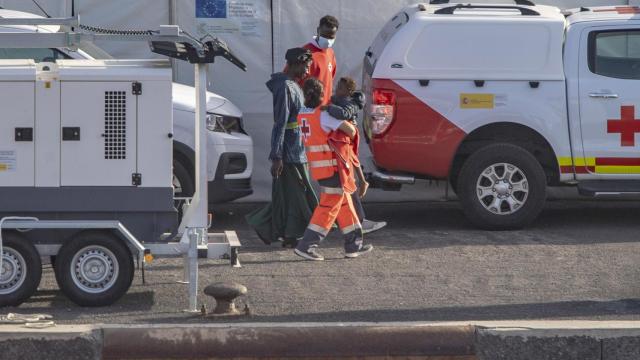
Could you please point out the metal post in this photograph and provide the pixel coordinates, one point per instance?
(173, 20)
(198, 211)
(193, 270)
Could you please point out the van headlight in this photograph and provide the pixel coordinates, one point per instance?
(225, 124)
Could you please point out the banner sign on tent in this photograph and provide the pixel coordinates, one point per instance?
(231, 17)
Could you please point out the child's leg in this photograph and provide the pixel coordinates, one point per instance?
(350, 225)
(323, 218)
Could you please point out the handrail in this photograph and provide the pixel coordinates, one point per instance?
(450, 10)
(518, 2)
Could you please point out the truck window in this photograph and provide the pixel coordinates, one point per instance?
(38, 55)
(615, 54)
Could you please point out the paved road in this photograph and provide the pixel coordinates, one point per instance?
(578, 261)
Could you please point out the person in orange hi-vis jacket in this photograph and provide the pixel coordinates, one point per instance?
(333, 160)
(323, 68)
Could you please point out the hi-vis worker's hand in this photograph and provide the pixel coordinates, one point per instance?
(276, 168)
(362, 189)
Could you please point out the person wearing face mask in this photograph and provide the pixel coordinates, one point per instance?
(292, 197)
(324, 68)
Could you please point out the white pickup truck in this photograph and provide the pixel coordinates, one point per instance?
(505, 100)
(230, 148)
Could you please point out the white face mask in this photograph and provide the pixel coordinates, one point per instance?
(325, 43)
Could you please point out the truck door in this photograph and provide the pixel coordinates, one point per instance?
(609, 99)
(98, 133)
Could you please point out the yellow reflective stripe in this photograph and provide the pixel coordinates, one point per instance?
(617, 169)
(318, 148)
(323, 163)
(292, 125)
(567, 161)
(334, 191)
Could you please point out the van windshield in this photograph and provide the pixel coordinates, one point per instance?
(384, 36)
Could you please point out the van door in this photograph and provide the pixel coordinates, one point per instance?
(610, 103)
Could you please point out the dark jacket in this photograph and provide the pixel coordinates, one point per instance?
(346, 108)
(286, 139)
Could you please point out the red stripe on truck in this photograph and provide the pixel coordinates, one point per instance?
(617, 161)
(420, 140)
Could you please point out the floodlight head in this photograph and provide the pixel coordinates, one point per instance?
(187, 52)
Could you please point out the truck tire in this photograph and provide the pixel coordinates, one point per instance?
(21, 270)
(502, 187)
(94, 269)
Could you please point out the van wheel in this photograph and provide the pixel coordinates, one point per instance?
(502, 187)
(94, 269)
(183, 183)
(21, 270)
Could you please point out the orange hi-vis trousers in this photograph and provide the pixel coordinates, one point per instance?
(335, 205)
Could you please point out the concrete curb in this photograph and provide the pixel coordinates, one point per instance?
(432, 341)
(65, 342)
(455, 342)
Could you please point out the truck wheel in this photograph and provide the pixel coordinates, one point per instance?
(21, 270)
(502, 187)
(94, 269)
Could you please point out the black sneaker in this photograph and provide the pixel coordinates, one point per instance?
(311, 253)
(363, 250)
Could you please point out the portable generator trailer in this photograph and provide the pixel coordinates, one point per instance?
(85, 164)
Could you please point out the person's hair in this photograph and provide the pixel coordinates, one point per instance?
(313, 90)
(329, 21)
(349, 83)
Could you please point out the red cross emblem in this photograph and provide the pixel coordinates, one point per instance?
(306, 129)
(627, 126)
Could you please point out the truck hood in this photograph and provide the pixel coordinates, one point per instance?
(184, 99)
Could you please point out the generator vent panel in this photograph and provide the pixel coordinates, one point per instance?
(115, 125)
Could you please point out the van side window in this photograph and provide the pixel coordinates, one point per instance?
(38, 55)
(615, 54)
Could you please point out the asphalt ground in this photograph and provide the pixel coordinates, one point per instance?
(578, 261)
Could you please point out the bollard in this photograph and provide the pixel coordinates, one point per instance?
(225, 294)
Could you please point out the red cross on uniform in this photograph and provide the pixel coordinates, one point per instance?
(627, 126)
(305, 128)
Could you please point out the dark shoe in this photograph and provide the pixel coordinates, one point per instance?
(363, 250)
(290, 243)
(311, 254)
(369, 226)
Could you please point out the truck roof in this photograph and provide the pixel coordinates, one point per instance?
(471, 41)
(513, 11)
(602, 13)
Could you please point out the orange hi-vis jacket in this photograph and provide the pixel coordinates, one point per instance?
(322, 161)
(328, 153)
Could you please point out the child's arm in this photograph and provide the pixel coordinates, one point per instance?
(364, 185)
(348, 128)
(343, 113)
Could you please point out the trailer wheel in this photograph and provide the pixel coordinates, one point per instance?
(502, 187)
(21, 270)
(94, 269)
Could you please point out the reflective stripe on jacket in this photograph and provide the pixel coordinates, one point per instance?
(321, 159)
